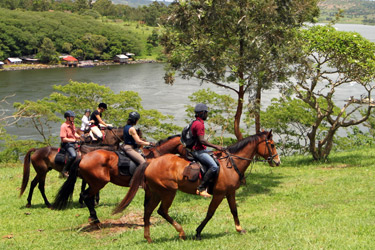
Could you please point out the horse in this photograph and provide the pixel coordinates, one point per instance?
(43, 160)
(100, 167)
(163, 176)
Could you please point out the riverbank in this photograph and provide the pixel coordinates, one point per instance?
(51, 66)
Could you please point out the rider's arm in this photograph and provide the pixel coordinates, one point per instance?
(206, 143)
(100, 120)
(136, 138)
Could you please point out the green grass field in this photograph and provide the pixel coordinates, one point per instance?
(300, 205)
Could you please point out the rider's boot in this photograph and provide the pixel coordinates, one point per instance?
(65, 171)
(201, 190)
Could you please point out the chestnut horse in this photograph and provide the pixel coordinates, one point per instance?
(100, 167)
(164, 176)
(43, 160)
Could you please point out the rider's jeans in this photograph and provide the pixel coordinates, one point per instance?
(206, 159)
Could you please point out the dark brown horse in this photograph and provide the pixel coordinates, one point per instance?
(100, 167)
(43, 160)
(164, 176)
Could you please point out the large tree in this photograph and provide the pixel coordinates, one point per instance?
(237, 45)
(331, 60)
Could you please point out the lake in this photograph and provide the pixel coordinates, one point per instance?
(146, 79)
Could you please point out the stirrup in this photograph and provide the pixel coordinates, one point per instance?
(203, 193)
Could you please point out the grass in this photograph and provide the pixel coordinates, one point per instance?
(301, 205)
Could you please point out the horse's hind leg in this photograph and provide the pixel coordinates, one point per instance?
(42, 181)
(32, 186)
(90, 203)
(166, 203)
(215, 202)
(150, 203)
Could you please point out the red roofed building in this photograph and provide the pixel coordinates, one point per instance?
(69, 61)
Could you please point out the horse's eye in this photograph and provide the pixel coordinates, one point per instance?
(272, 146)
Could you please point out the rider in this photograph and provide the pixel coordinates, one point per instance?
(68, 137)
(199, 149)
(96, 116)
(131, 139)
(85, 126)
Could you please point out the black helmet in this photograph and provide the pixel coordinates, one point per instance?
(134, 116)
(69, 114)
(200, 107)
(87, 110)
(102, 105)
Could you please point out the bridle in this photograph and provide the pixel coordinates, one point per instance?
(270, 158)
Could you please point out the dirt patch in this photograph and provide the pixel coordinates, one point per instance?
(132, 221)
(337, 167)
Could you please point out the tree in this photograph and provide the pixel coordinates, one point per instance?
(47, 52)
(77, 97)
(233, 44)
(332, 59)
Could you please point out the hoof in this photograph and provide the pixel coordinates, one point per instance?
(94, 221)
(28, 205)
(197, 237)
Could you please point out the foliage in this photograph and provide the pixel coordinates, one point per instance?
(78, 96)
(233, 44)
(12, 149)
(331, 59)
(47, 52)
(291, 120)
(24, 32)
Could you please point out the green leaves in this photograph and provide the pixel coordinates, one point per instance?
(77, 96)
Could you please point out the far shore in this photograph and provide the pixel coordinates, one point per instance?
(23, 66)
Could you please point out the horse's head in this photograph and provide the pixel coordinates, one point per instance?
(169, 145)
(267, 149)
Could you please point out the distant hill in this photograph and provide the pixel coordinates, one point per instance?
(355, 11)
(137, 3)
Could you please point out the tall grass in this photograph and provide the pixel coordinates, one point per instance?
(300, 205)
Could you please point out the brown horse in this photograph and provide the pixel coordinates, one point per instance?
(43, 160)
(164, 176)
(100, 167)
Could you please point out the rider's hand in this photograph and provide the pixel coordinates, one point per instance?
(151, 145)
(219, 148)
(109, 127)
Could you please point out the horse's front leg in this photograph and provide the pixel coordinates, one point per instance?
(215, 202)
(233, 209)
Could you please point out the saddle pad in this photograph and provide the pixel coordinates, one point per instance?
(191, 171)
(60, 157)
(125, 165)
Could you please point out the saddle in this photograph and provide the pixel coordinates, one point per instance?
(61, 157)
(196, 170)
(126, 166)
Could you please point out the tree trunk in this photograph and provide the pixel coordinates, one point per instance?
(237, 117)
(257, 108)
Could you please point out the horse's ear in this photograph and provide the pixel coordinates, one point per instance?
(269, 135)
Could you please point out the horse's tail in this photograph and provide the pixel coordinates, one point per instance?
(26, 170)
(137, 180)
(64, 196)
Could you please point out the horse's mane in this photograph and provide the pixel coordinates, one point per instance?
(242, 143)
(162, 141)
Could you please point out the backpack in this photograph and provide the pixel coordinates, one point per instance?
(187, 138)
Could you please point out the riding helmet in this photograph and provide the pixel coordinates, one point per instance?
(69, 113)
(102, 105)
(200, 107)
(87, 110)
(134, 116)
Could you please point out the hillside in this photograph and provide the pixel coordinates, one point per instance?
(137, 3)
(355, 11)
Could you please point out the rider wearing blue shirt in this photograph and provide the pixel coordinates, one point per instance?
(131, 139)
